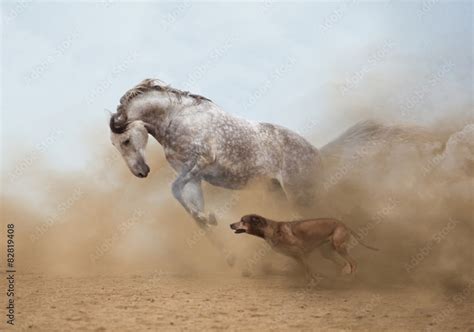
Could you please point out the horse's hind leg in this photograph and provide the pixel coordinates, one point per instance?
(301, 195)
(275, 187)
(300, 174)
(275, 196)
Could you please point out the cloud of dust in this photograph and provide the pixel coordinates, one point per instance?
(105, 220)
(408, 192)
(404, 182)
(404, 188)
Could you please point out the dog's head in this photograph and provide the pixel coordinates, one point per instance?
(252, 224)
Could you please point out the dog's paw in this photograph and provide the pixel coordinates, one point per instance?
(347, 270)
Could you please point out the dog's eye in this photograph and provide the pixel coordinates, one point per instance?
(126, 142)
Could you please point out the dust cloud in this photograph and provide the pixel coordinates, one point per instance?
(408, 191)
(405, 188)
(404, 180)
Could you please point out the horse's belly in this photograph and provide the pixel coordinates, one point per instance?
(227, 178)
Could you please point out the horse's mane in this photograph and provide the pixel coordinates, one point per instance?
(150, 84)
(118, 121)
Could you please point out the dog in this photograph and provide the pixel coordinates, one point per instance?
(298, 239)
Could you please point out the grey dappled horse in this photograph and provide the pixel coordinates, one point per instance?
(203, 143)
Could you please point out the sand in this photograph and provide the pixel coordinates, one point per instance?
(151, 301)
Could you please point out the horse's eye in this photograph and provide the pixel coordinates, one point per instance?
(126, 142)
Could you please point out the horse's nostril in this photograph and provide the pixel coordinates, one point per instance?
(141, 173)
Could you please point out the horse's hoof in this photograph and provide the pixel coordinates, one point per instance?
(202, 222)
(212, 219)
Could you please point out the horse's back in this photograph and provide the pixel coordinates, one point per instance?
(291, 146)
(300, 162)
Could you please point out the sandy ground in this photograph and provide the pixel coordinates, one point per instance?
(154, 301)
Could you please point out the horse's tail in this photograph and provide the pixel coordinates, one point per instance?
(359, 239)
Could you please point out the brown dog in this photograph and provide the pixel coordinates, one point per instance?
(298, 239)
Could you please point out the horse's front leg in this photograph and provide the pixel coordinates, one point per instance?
(192, 193)
(187, 190)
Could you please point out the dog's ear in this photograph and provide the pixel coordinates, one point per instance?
(260, 221)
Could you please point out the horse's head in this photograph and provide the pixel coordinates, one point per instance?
(130, 139)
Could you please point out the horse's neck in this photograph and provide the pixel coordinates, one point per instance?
(156, 110)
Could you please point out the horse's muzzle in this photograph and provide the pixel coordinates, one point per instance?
(143, 171)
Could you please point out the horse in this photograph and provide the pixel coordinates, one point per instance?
(201, 142)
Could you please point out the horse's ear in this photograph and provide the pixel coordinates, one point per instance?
(108, 113)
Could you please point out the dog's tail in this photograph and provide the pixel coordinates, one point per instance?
(358, 238)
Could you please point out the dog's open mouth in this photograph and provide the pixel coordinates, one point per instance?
(237, 228)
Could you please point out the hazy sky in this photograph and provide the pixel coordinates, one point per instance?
(63, 64)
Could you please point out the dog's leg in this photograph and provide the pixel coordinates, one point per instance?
(340, 238)
(351, 265)
(307, 268)
(313, 278)
(327, 251)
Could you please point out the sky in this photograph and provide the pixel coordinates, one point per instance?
(293, 64)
